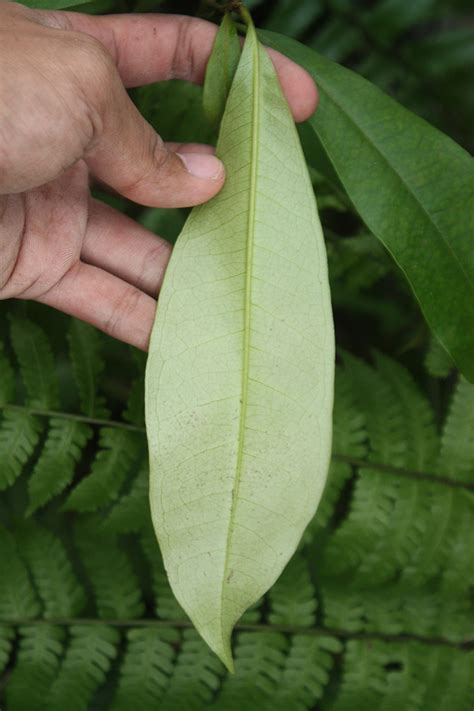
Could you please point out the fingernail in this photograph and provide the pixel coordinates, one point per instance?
(202, 165)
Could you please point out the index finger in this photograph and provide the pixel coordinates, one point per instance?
(150, 48)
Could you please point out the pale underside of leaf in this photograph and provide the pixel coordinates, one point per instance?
(240, 370)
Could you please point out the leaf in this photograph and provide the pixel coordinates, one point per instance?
(36, 667)
(37, 365)
(18, 598)
(119, 449)
(412, 186)
(84, 668)
(294, 18)
(220, 70)
(239, 382)
(146, 669)
(51, 570)
(116, 589)
(85, 348)
(19, 435)
(54, 469)
(166, 223)
(175, 109)
(7, 379)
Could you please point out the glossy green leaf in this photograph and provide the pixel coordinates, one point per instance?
(412, 185)
(239, 383)
(220, 70)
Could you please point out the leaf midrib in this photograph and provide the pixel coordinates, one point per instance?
(407, 187)
(247, 304)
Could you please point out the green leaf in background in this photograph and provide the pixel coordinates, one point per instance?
(239, 382)
(174, 108)
(166, 223)
(220, 70)
(413, 187)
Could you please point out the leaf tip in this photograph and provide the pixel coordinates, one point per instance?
(218, 637)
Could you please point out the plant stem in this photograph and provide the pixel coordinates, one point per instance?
(433, 477)
(242, 627)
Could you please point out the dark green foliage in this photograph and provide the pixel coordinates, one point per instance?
(374, 612)
(292, 599)
(88, 658)
(36, 362)
(37, 663)
(145, 670)
(220, 70)
(115, 586)
(394, 564)
(18, 599)
(88, 365)
(118, 451)
(19, 435)
(52, 573)
(54, 469)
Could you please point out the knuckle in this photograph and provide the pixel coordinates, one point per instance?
(152, 160)
(122, 311)
(153, 266)
(91, 62)
(94, 76)
(183, 58)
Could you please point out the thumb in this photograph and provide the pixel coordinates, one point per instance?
(129, 156)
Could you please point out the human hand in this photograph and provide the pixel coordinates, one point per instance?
(65, 117)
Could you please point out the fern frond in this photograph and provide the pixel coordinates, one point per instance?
(117, 593)
(306, 673)
(364, 678)
(343, 607)
(19, 435)
(54, 469)
(457, 441)
(446, 678)
(7, 378)
(411, 507)
(438, 362)
(18, 599)
(118, 450)
(420, 432)
(59, 589)
(458, 573)
(384, 416)
(146, 669)
(89, 655)
(135, 409)
(36, 361)
(259, 661)
(448, 507)
(132, 510)
(388, 516)
(165, 603)
(431, 555)
(37, 663)
(368, 520)
(85, 350)
(293, 597)
(196, 676)
(7, 636)
(349, 439)
(339, 473)
(349, 427)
